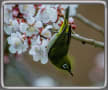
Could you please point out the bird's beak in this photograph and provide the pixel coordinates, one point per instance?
(71, 73)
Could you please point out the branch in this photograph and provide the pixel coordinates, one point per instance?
(88, 41)
(85, 40)
(90, 23)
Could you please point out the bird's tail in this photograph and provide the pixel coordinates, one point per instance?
(65, 23)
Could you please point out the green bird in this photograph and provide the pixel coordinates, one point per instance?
(59, 45)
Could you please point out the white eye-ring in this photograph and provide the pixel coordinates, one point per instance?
(65, 66)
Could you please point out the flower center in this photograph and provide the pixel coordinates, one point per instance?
(31, 29)
(47, 34)
(25, 7)
(17, 43)
(37, 50)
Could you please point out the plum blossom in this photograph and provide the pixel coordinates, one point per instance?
(39, 24)
(8, 13)
(28, 29)
(58, 24)
(27, 9)
(47, 15)
(73, 11)
(71, 20)
(39, 46)
(12, 27)
(30, 20)
(46, 31)
(35, 40)
(39, 51)
(9, 7)
(73, 8)
(17, 43)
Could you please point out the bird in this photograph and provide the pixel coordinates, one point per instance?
(59, 45)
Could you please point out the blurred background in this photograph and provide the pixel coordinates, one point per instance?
(88, 65)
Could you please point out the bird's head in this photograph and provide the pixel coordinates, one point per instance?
(66, 65)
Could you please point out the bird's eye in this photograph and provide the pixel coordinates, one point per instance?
(65, 66)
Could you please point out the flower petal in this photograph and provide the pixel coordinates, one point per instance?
(12, 49)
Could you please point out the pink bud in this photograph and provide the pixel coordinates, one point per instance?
(71, 20)
(60, 23)
(73, 26)
(15, 13)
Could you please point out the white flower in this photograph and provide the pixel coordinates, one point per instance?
(28, 12)
(9, 6)
(39, 51)
(7, 16)
(35, 40)
(39, 24)
(46, 32)
(15, 13)
(30, 20)
(29, 30)
(47, 14)
(13, 26)
(71, 20)
(27, 9)
(72, 9)
(7, 13)
(58, 24)
(17, 43)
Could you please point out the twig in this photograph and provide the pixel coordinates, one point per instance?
(43, 36)
(88, 41)
(90, 23)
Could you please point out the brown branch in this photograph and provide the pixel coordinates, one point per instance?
(90, 23)
(87, 40)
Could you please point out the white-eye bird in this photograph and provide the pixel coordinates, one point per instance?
(59, 45)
